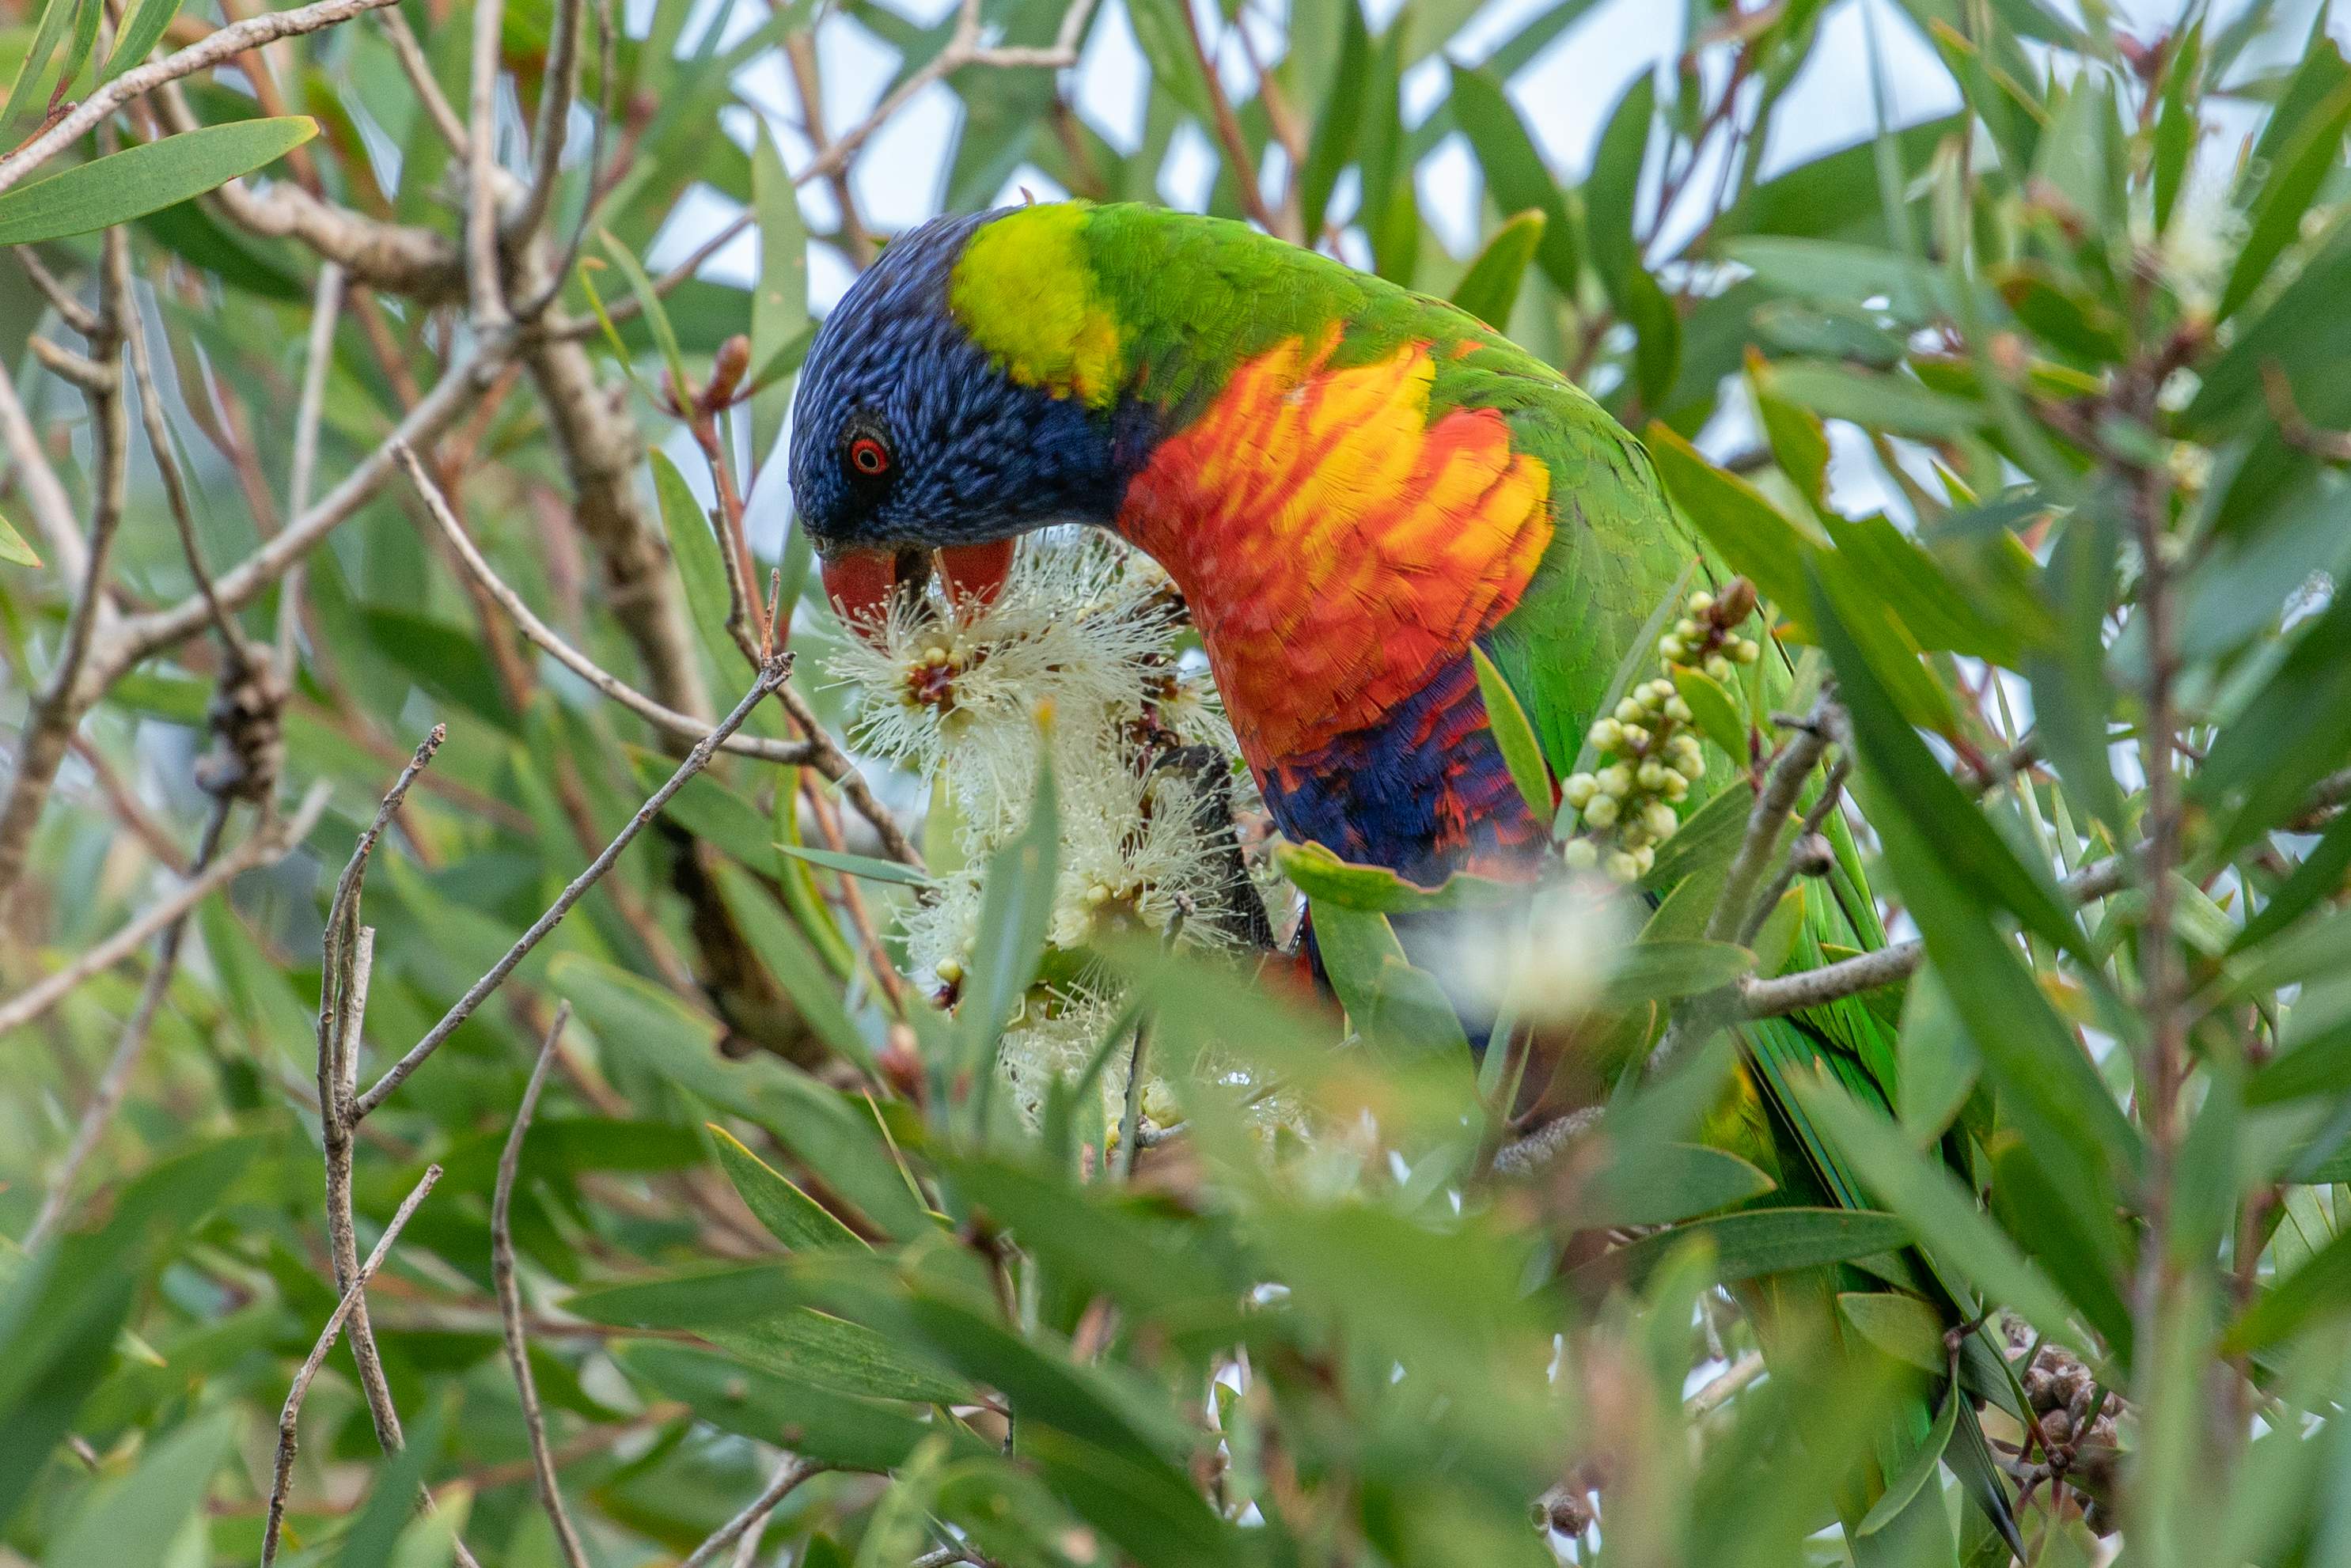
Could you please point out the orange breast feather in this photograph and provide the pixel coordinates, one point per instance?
(1336, 545)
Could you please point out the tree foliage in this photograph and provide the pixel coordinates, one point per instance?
(354, 445)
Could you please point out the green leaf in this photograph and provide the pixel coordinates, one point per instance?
(127, 1518)
(867, 866)
(40, 70)
(2318, 1291)
(140, 35)
(1894, 404)
(1662, 1183)
(834, 1354)
(649, 302)
(1521, 752)
(698, 1297)
(1798, 440)
(791, 1216)
(1904, 1327)
(2294, 731)
(1321, 875)
(1609, 200)
(1515, 172)
(694, 546)
(779, 315)
(1385, 997)
(13, 548)
(1942, 1218)
(753, 1401)
(2316, 148)
(1917, 1471)
(137, 180)
(1714, 710)
(1758, 1242)
(1490, 289)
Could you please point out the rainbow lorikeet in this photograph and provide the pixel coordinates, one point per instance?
(1352, 485)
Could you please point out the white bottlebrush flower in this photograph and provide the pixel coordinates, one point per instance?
(1136, 849)
(957, 687)
(2198, 247)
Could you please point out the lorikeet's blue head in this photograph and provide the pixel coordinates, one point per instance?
(909, 437)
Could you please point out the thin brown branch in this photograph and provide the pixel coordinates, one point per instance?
(70, 310)
(222, 45)
(793, 1471)
(289, 1418)
(1229, 129)
(267, 847)
(770, 679)
(1832, 791)
(683, 726)
(326, 309)
(484, 297)
(559, 85)
(67, 694)
(420, 79)
(1783, 782)
(502, 1274)
(2295, 426)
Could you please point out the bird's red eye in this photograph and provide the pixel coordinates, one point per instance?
(869, 457)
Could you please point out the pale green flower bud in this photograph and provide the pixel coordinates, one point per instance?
(1659, 819)
(1636, 737)
(1602, 812)
(1700, 602)
(1616, 780)
(1581, 854)
(1719, 667)
(1622, 865)
(1628, 712)
(1578, 789)
(1746, 650)
(1685, 629)
(1677, 710)
(1676, 787)
(1607, 735)
(1644, 858)
(1685, 753)
(1671, 647)
(1651, 776)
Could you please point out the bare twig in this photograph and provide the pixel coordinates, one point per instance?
(111, 1083)
(287, 1420)
(222, 45)
(485, 298)
(265, 848)
(67, 695)
(421, 81)
(72, 311)
(793, 1471)
(175, 486)
(667, 719)
(502, 1274)
(326, 306)
(772, 677)
(1831, 792)
(1768, 822)
(1784, 994)
(347, 966)
(1229, 129)
(559, 85)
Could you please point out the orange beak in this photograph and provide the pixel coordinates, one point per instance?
(859, 582)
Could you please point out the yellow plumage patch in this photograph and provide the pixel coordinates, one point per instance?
(1025, 294)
